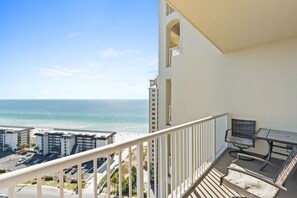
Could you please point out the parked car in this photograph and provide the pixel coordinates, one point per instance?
(67, 170)
(73, 171)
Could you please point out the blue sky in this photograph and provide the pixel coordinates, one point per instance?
(77, 49)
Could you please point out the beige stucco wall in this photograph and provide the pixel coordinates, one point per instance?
(259, 83)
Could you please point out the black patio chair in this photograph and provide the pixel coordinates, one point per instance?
(242, 136)
(255, 185)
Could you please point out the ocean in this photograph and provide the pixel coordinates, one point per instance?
(103, 115)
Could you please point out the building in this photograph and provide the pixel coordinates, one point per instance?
(89, 139)
(14, 137)
(41, 139)
(153, 127)
(66, 142)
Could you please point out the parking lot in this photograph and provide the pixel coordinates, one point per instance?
(12, 161)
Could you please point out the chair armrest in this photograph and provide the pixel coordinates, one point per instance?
(226, 134)
(258, 176)
(254, 157)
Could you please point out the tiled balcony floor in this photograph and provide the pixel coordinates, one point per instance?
(209, 187)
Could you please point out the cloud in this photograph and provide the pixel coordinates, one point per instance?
(58, 70)
(110, 52)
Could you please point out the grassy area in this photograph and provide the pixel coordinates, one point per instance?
(55, 183)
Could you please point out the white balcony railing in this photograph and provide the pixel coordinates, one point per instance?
(193, 147)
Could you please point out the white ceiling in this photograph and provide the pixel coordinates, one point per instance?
(237, 24)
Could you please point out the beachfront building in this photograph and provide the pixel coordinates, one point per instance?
(13, 137)
(88, 139)
(66, 142)
(41, 139)
(153, 127)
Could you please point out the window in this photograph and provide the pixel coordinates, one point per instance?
(168, 102)
(173, 41)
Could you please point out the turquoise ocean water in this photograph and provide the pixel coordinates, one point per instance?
(111, 115)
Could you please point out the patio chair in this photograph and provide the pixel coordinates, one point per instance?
(242, 135)
(254, 185)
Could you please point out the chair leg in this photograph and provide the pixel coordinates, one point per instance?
(234, 153)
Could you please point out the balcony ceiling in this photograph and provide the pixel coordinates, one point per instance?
(237, 24)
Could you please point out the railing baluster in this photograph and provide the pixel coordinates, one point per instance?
(166, 166)
(95, 177)
(155, 166)
(130, 174)
(140, 171)
(187, 158)
(184, 159)
(175, 163)
(200, 150)
(39, 190)
(79, 182)
(148, 169)
(194, 152)
(11, 192)
(120, 174)
(191, 155)
(180, 162)
(61, 183)
(172, 164)
(108, 176)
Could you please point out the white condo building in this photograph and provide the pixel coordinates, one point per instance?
(12, 137)
(65, 142)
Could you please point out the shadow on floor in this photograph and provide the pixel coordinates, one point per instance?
(209, 186)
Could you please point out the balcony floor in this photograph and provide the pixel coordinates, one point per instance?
(209, 186)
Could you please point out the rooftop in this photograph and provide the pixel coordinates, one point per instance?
(4, 128)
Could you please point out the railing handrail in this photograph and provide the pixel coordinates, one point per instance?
(29, 173)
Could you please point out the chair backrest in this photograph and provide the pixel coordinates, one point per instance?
(287, 168)
(243, 128)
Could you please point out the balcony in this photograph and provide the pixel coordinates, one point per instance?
(193, 148)
(208, 185)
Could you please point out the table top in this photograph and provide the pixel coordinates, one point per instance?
(277, 136)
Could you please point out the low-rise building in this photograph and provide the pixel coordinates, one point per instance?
(14, 137)
(66, 142)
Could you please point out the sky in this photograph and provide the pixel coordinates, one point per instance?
(77, 49)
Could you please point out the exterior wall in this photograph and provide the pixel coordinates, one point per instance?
(11, 139)
(42, 144)
(2, 136)
(85, 143)
(67, 144)
(100, 143)
(256, 83)
(24, 137)
(54, 143)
